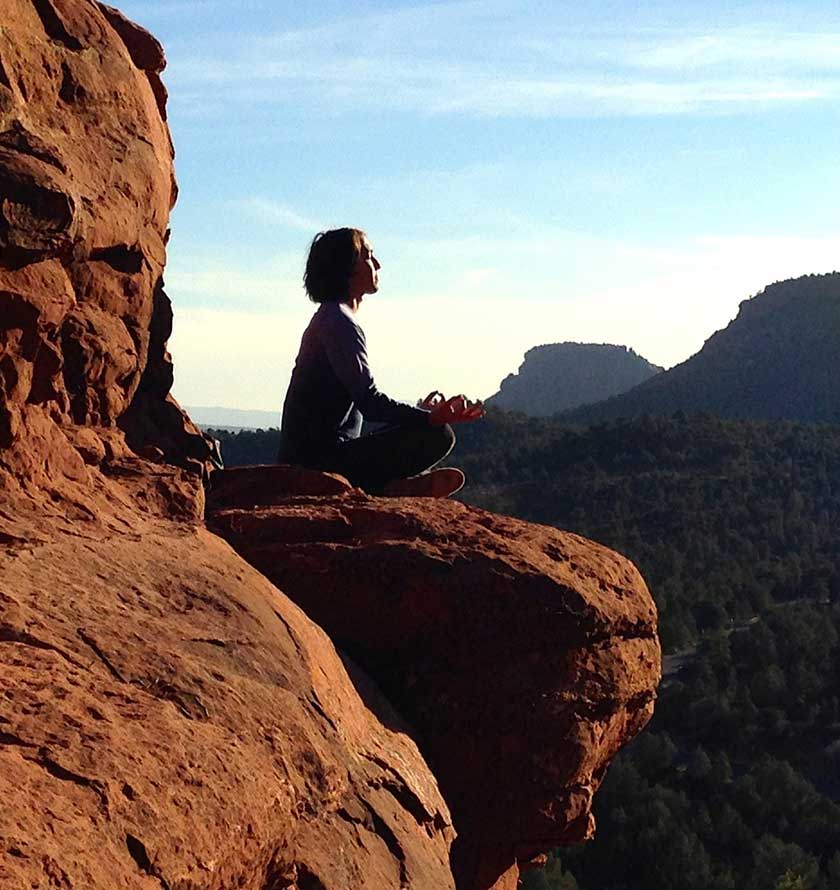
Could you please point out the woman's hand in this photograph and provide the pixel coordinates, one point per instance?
(458, 409)
(432, 399)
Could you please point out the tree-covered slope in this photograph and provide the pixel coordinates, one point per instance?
(559, 376)
(735, 785)
(777, 359)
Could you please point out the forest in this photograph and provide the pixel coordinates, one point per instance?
(736, 782)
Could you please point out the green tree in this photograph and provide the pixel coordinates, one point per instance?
(791, 881)
(776, 861)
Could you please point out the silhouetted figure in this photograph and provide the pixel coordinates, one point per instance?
(332, 389)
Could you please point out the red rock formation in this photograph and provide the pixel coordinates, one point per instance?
(86, 186)
(168, 718)
(523, 657)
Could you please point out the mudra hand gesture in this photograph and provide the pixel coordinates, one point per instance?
(458, 409)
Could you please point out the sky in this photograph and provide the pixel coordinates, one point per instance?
(528, 173)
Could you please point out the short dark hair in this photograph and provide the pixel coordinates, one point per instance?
(332, 258)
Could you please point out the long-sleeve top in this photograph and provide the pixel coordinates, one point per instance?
(332, 389)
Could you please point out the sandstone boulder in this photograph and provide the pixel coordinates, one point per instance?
(522, 656)
(168, 719)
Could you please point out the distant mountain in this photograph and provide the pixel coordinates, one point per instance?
(780, 358)
(559, 376)
(233, 418)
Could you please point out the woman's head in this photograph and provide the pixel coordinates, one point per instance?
(333, 259)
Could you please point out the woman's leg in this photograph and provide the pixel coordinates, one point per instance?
(372, 461)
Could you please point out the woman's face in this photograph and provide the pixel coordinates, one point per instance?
(365, 276)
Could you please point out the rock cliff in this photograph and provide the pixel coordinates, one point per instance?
(86, 184)
(560, 376)
(169, 718)
(523, 657)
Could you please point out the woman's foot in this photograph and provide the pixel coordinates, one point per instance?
(434, 484)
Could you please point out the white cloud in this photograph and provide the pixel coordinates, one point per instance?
(533, 98)
(495, 60)
(741, 47)
(279, 214)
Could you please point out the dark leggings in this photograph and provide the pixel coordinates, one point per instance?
(396, 452)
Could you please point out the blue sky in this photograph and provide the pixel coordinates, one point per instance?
(527, 172)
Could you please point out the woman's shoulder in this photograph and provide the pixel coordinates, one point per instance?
(336, 317)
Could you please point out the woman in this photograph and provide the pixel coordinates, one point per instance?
(332, 389)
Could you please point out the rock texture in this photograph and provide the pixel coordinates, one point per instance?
(523, 657)
(86, 186)
(270, 483)
(776, 360)
(168, 719)
(560, 376)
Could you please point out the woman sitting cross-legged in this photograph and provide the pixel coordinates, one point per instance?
(332, 389)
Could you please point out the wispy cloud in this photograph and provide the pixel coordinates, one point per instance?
(276, 213)
(740, 48)
(494, 60)
(156, 10)
(542, 98)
